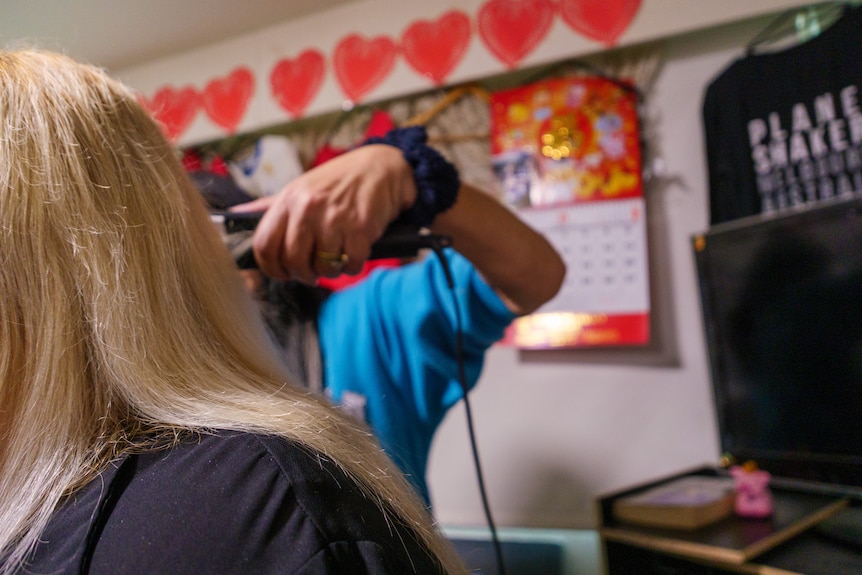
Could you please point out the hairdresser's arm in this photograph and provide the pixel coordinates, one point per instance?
(345, 205)
(518, 262)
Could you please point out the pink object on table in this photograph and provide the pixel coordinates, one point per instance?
(753, 497)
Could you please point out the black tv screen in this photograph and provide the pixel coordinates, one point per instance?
(781, 298)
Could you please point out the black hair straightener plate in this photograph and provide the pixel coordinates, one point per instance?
(398, 241)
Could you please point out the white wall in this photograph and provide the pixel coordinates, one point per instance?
(556, 429)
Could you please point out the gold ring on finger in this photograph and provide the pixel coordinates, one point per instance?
(335, 260)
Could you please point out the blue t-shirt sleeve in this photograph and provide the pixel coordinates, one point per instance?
(483, 319)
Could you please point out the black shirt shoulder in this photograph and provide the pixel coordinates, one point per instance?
(227, 503)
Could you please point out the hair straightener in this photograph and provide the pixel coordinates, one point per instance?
(398, 241)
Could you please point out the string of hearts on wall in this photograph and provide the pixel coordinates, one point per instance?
(510, 29)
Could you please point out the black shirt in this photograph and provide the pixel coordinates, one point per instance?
(226, 503)
(784, 129)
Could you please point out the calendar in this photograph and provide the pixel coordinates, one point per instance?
(566, 153)
(604, 299)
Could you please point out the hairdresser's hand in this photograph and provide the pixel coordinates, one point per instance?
(324, 222)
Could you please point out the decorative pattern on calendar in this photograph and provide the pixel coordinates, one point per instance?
(567, 156)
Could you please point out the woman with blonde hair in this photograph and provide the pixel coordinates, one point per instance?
(147, 423)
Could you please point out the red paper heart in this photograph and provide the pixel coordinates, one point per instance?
(226, 99)
(360, 64)
(434, 48)
(512, 28)
(173, 109)
(599, 19)
(295, 82)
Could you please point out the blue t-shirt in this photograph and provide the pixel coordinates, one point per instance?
(389, 351)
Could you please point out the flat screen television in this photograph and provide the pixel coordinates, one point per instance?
(781, 298)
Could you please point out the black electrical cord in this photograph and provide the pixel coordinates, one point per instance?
(437, 244)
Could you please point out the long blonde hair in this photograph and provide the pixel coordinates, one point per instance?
(122, 317)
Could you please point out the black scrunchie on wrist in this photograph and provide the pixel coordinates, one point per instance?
(437, 180)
